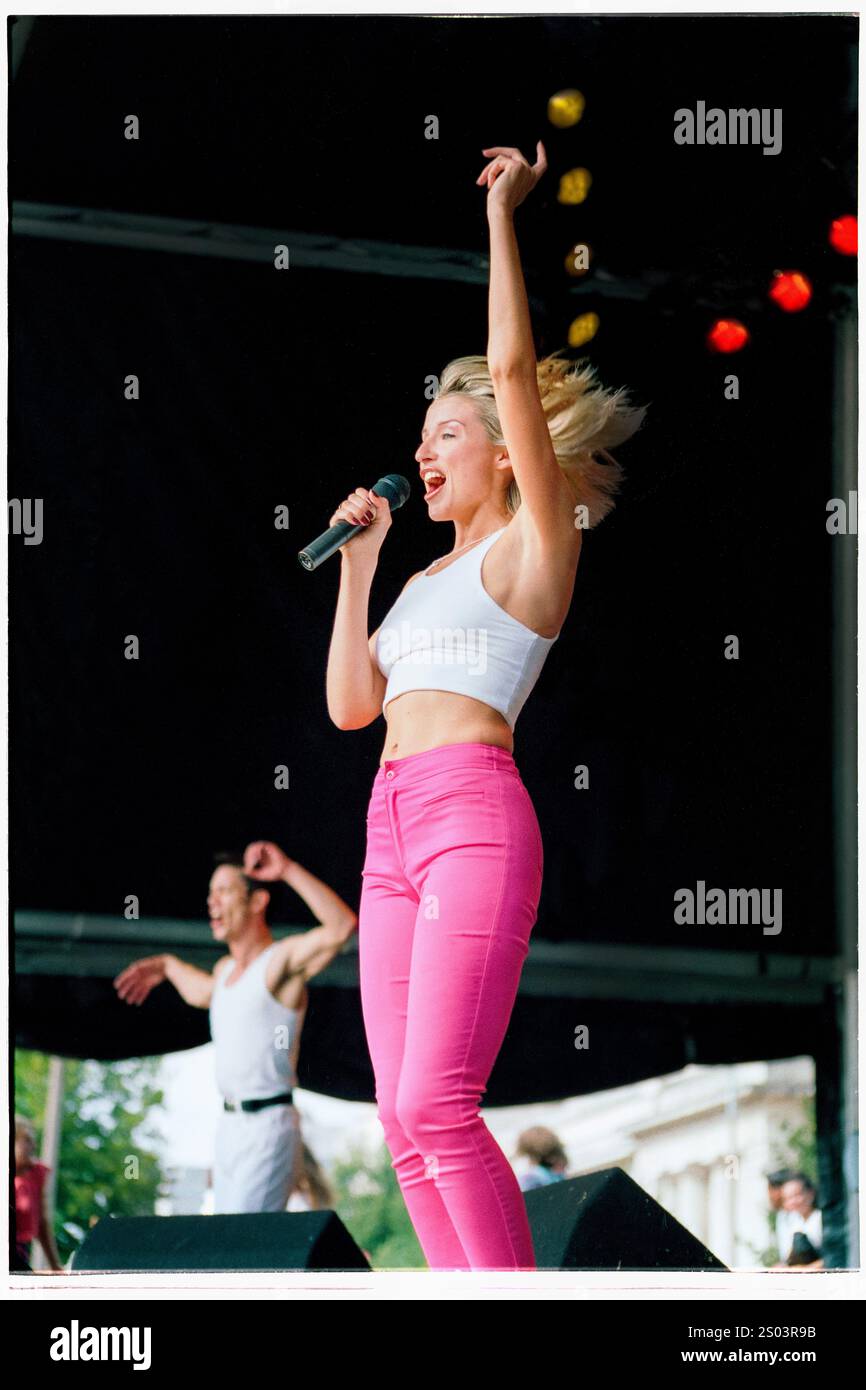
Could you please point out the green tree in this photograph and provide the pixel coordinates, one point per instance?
(371, 1206)
(802, 1141)
(107, 1165)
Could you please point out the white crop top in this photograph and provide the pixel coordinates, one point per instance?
(445, 632)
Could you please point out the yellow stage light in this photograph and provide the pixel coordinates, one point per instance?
(574, 186)
(582, 329)
(565, 108)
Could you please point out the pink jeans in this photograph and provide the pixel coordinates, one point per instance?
(451, 883)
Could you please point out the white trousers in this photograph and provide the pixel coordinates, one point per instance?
(257, 1159)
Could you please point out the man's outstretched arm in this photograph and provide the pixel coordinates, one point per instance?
(135, 983)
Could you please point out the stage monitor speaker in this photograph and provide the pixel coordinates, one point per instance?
(260, 1241)
(605, 1221)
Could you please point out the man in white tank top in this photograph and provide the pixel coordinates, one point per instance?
(257, 997)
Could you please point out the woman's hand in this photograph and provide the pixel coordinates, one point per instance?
(509, 177)
(372, 513)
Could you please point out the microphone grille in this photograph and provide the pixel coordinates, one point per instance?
(395, 487)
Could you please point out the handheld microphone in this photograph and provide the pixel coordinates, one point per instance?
(394, 487)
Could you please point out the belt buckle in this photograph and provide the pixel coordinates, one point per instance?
(230, 1105)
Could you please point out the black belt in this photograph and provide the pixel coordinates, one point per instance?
(284, 1099)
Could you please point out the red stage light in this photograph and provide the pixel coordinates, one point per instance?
(727, 335)
(790, 290)
(843, 235)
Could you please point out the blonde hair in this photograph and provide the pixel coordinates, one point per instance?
(584, 420)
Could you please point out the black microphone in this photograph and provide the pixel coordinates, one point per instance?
(394, 487)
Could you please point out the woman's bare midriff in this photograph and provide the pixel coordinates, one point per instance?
(420, 720)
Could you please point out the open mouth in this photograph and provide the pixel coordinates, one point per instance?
(433, 482)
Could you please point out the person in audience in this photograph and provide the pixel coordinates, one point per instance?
(548, 1159)
(31, 1212)
(801, 1236)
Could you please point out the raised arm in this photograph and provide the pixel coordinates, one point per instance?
(305, 953)
(547, 502)
(265, 861)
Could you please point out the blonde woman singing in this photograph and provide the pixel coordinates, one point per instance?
(513, 455)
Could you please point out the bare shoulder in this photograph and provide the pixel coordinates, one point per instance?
(220, 965)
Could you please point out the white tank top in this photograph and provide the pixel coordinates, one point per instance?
(256, 1038)
(445, 632)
